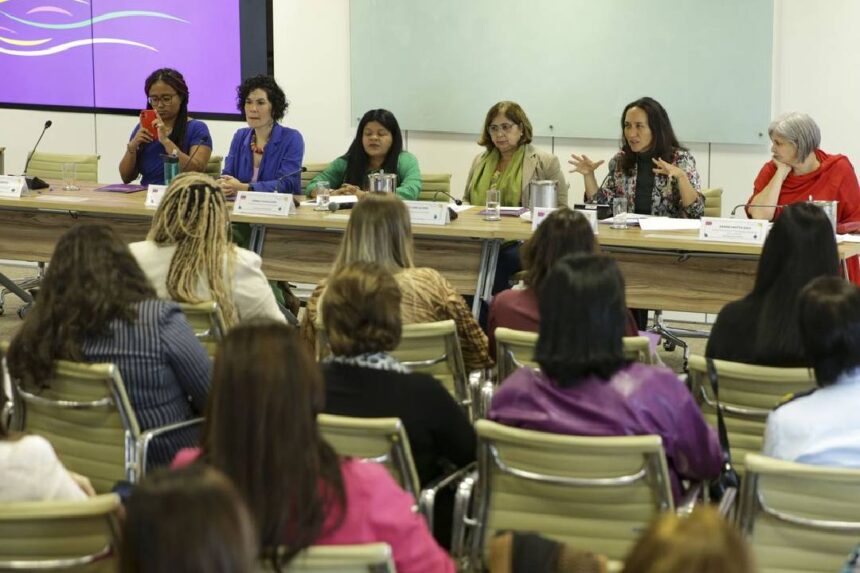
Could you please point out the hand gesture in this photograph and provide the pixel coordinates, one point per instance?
(163, 133)
(782, 169)
(582, 164)
(230, 185)
(667, 169)
(347, 189)
(142, 137)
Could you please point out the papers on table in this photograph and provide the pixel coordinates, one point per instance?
(669, 224)
(459, 208)
(632, 220)
(335, 199)
(848, 238)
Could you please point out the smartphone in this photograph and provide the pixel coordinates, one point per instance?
(147, 117)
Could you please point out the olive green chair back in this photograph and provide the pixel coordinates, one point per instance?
(214, 165)
(598, 493)
(311, 171)
(50, 166)
(748, 393)
(798, 517)
(434, 348)
(86, 416)
(77, 536)
(516, 348)
(381, 440)
(367, 558)
(432, 184)
(208, 323)
(713, 202)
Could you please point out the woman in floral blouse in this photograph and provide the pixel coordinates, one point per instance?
(652, 170)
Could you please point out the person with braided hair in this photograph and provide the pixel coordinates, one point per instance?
(188, 255)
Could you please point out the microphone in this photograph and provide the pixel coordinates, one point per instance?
(204, 139)
(34, 182)
(456, 201)
(338, 206)
(284, 178)
(736, 207)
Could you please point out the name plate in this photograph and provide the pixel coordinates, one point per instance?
(428, 212)
(539, 214)
(154, 195)
(261, 203)
(591, 216)
(727, 230)
(12, 186)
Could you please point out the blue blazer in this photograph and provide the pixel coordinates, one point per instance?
(283, 155)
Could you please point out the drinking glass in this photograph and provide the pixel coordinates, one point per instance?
(70, 172)
(619, 213)
(323, 191)
(494, 212)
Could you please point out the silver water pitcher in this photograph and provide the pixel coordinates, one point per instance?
(382, 182)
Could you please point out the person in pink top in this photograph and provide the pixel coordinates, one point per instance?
(261, 432)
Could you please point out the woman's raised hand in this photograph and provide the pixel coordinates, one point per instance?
(582, 164)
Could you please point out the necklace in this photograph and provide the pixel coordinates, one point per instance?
(254, 147)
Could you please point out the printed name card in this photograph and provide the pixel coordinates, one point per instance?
(428, 212)
(727, 230)
(591, 216)
(154, 195)
(261, 203)
(539, 214)
(12, 186)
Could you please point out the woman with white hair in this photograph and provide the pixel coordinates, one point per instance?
(800, 170)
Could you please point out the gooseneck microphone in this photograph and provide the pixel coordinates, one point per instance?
(736, 207)
(35, 182)
(456, 201)
(283, 178)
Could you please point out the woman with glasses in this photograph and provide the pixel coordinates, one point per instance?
(652, 170)
(265, 156)
(510, 161)
(377, 147)
(188, 139)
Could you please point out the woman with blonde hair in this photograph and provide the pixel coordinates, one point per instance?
(379, 232)
(188, 255)
(701, 543)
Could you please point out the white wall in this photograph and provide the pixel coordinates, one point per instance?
(815, 62)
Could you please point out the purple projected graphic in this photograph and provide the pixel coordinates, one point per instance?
(97, 53)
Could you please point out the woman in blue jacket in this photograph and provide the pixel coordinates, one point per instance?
(265, 156)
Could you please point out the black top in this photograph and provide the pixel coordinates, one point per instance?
(734, 335)
(644, 184)
(439, 431)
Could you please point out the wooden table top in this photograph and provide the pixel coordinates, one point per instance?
(469, 224)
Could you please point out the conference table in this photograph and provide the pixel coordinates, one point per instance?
(669, 270)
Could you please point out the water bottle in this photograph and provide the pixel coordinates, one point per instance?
(171, 168)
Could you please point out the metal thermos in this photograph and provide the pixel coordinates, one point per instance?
(544, 193)
(382, 182)
(829, 208)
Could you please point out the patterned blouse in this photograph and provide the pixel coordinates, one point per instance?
(427, 297)
(665, 202)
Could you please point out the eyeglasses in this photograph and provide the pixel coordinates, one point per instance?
(505, 127)
(165, 99)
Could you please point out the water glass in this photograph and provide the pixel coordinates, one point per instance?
(619, 213)
(323, 191)
(70, 176)
(493, 212)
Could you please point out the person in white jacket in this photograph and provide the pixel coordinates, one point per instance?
(188, 255)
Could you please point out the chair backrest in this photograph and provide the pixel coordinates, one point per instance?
(799, 517)
(367, 558)
(434, 348)
(713, 202)
(59, 535)
(207, 321)
(382, 440)
(432, 184)
(748, 393)
(516, 348)
(213, 166)
(311, 171)
(594, 492)
(86, 415)
(3, 160)
(50, 166)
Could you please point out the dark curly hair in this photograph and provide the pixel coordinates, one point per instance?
(176, 81)
(273, 91)
(93, 279)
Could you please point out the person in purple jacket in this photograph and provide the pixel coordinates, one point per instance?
(265, 156)
(585, 386)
